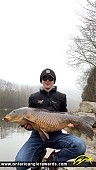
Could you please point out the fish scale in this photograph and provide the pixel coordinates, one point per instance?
(45, 121)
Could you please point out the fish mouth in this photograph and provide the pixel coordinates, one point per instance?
(6, 119)
(12, 119)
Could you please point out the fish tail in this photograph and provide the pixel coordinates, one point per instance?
(90, 120)
(87, 129)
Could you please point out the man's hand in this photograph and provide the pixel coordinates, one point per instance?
(70, 125)
(28, 127)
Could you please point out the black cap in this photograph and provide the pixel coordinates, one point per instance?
(48, 71)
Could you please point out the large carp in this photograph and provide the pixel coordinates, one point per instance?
(46, 121)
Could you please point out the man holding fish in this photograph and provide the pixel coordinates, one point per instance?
(70, 146)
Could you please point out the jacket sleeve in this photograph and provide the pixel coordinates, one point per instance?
(63, 107)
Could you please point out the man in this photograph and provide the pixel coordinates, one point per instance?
(49, 98)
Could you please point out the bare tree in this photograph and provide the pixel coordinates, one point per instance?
(13, 95)
(82, 51)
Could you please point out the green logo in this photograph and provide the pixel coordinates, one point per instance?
(82, 158)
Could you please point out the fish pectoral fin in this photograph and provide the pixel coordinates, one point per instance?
(45, 133)
(20, 125)
(41, 132)
(23, 121)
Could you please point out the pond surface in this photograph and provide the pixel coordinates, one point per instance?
(13, 137)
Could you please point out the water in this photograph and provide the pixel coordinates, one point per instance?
(11, 139)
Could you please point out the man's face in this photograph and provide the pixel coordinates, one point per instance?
(47, 81)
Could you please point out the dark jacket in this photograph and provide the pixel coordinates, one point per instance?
(52, 100)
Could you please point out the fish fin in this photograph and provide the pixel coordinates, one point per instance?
(45, 133)
(87, 130)
(89, 119)
(41, 132)
(24, 121)
(20, 126)
(94, 125)
(83, 127)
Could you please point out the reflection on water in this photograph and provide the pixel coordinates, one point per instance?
(12, 138)
(7, 128)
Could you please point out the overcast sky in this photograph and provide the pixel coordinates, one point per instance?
(34, 35)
